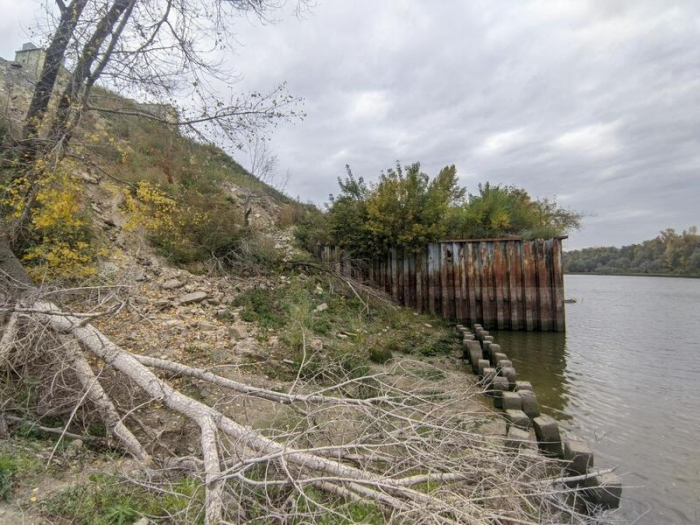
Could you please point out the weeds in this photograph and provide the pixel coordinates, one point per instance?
(110, 500)
(328, 334)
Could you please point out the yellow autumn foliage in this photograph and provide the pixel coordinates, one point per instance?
(151, 208)
(59, 245)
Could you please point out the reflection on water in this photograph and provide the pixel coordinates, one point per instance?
(626, 377)
(540, 358)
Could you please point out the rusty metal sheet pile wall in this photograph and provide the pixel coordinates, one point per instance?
(507, 284)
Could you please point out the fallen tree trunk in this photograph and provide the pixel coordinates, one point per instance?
(101, 346)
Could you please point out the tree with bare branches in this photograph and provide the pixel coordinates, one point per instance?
(164, 51)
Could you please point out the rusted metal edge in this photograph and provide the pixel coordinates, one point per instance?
(500, 239)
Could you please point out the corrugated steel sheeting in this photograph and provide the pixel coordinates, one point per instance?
(508, 284)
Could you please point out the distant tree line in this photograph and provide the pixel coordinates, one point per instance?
(669, 253)
(406, 209)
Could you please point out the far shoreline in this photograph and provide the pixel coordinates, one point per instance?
(631, 274)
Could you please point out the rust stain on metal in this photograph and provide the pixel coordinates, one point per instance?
(506, 283)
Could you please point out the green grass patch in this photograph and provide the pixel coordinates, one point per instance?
(380, 355)
(430, 374)
(109, 500)
(19, 461)
(310, 310)
(8, 468)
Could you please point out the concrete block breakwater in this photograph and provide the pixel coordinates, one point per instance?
(526, 427)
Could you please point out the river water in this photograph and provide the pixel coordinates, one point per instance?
(626, 377)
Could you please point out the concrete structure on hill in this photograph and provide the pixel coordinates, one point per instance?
(18, 77)
(31, 59)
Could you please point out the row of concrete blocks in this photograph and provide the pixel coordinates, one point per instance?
(519, 402)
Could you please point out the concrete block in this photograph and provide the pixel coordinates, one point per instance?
(489, 375)
(548, 437)
(497, 356)
(493, 350)
(474, 357)
(498, 398)
(472, 345)
(500, 383)
(503, 363)
(604, 490)
(579, 456)
(511, 401)
(509, 373)
(523, 385)
(518, 438)
(488, 338)
(529, 401)
(482, 365)
(517, 418)
(486, 345)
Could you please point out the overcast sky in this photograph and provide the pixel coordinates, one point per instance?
(594, 102)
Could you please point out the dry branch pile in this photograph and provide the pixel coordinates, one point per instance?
(415, 453)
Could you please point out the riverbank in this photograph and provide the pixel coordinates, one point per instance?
(631, 274)
(292, 334)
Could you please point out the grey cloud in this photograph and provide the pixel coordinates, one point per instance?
(594, 101)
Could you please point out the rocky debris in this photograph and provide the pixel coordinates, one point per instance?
(88, 177)
(234, 334)
(138, 274)
(222, 313)
(249, 348)
(273, 342)
(74, 448)
(321, 307)
(162, 304)
(172, 284)
(206, 326)
(191, 298)
(316, 345)
(108, 268)
(171, 323)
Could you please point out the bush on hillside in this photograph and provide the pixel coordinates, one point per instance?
(407, 209)
(57, 243)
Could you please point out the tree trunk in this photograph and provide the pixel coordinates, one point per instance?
(81, 73)
(53, 61)
(13, 277)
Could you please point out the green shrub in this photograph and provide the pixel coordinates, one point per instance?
(109, 500)
(380, 355)
(8, 467)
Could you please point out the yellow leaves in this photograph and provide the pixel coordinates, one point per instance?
(61, 258)
(59, 207)
(13, 197)
(152, 209)
(59, 246)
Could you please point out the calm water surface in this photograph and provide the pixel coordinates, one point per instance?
(626, 377)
